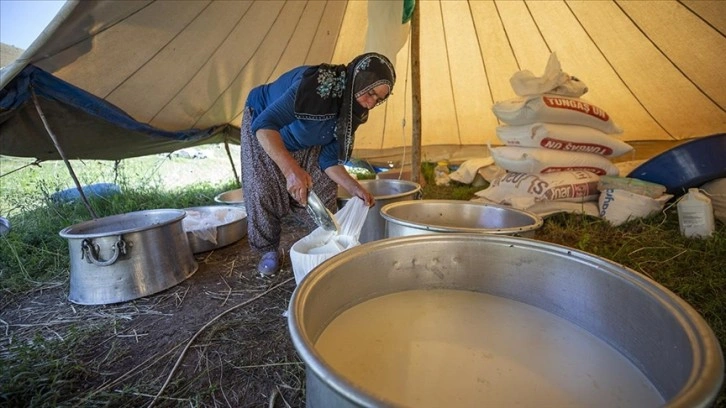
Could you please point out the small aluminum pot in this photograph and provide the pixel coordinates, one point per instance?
(231, 197)
(127, 256)
(417, 217)
(226, 225)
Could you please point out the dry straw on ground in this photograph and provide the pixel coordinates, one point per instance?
(217, 339)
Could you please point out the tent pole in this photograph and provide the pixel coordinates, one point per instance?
(62, 155)
(234, 170)
(416, 97)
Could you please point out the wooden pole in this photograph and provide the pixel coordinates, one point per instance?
(231, 161)
(415, 97)
(62, 154)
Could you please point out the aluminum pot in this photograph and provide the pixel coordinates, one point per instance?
(385, 192)
(655, 332)
(426, 216)
(214, 226)
(127, 256)
(231, 197)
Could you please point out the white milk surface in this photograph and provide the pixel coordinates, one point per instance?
(452, 348)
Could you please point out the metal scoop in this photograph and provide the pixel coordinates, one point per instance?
(321, 215)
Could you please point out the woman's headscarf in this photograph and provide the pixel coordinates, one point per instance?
(327, 91)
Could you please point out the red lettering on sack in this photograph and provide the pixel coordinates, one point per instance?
(578, 190)
(576, 105)
(550, 143)
(554, 169)
(561, 192)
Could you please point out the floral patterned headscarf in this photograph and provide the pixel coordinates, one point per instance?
(328, 91)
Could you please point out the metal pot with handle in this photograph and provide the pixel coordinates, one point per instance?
(127, 256)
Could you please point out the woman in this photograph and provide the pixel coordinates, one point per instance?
(297, 132)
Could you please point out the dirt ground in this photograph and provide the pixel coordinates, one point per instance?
(242, 358)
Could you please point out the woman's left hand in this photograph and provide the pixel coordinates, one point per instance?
(364, 195)
(341, 176)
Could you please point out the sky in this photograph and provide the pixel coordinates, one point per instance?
(21, 21)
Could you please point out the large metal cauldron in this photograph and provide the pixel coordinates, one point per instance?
(127, 256)
(657, 335)
(426, 216)
(385, 192)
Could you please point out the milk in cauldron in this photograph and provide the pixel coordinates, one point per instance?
(432, 348)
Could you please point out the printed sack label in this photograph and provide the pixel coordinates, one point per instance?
(536, 160)
(523, 190)
(570, 138)
(555, 109)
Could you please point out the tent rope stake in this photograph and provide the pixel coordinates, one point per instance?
(62, 154)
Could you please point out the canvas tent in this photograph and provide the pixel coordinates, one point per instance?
(118, 79)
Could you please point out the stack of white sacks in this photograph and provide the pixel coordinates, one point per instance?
(556, 146)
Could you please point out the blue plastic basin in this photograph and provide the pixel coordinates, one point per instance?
(690, 164)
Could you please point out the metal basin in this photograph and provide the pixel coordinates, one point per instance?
(426, 216)
(659, 336)
(127, 256)
(231, 197)
(214, 226)
(385, 192)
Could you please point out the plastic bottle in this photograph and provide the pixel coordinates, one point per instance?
(441, 173)
(695, 214)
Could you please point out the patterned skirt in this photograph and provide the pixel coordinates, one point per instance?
(265, 190)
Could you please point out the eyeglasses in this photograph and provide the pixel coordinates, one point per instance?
(379, 99)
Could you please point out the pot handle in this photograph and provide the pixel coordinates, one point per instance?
(90, 251)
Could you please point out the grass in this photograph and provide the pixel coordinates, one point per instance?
(38, 370)
(33, 255)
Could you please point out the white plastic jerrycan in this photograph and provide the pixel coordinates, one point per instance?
(695, 214)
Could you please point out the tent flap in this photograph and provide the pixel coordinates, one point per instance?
(87, 127)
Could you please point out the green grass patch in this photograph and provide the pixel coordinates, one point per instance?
(453, 191)
(33, 255)
(44, 370)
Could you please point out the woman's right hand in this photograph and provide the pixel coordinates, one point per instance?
(298, 181)
(298, 184)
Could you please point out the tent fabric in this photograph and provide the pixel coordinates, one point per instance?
(89, 120)
(656, 67)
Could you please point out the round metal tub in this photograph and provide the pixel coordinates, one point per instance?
(654, 334)
(214, 226)
(127, 256)
(231, 197)
(426, 216)
(385, 192)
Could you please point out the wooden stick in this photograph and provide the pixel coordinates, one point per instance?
(234, 170)
(189, 343)
(62, 154)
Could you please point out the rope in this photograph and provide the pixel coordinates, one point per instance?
(35, 163)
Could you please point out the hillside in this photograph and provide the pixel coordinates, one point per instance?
(8, 54)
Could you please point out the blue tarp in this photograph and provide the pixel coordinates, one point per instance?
(87, 126)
